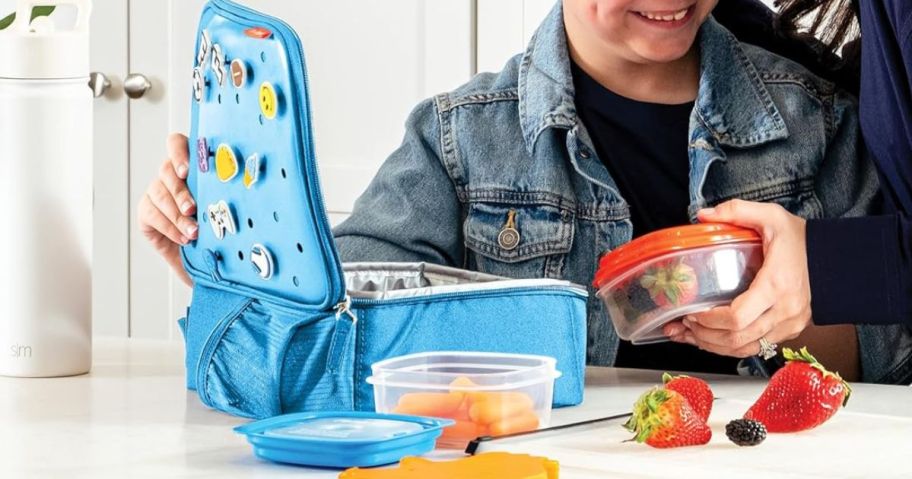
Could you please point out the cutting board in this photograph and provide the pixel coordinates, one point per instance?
(849, 445)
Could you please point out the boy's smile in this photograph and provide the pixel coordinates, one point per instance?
(666, 18)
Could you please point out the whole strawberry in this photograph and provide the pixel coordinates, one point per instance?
(663, 419)
(802, 395)
(670, 283)
(695, 390)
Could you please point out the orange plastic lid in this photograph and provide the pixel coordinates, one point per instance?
(662, 242)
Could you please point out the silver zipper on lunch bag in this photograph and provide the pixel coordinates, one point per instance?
(341, 334)
(345, 308)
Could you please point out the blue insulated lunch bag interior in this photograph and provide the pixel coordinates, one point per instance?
(277, 323)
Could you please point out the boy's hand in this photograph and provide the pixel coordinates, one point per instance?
(777, 306)
(166, 211)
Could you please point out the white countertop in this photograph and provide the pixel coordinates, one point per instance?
(132, 417)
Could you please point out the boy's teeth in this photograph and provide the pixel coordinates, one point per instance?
(665, 18)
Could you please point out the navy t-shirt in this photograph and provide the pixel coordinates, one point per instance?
(644, 147)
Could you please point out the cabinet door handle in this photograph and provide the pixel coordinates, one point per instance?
(99, 83)
(136, 85)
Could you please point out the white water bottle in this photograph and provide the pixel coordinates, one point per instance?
(46, 170)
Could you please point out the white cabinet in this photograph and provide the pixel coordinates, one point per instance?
(505, 28)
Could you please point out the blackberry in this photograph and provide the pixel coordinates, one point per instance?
(745, 432)
(639, 297)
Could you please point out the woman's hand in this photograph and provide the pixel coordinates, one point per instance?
(167, 208)
(777, 306)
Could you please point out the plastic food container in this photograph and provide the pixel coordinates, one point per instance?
(486, 394)
(670, 273)
(342, 439)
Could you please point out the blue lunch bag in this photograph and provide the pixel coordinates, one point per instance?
(277, 324)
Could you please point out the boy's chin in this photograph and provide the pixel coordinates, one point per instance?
(659, 54)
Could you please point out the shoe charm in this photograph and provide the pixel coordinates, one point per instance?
(218, 64)
(202, 154)
(204, 47)
(262, 261)
(199, 84)
(258, 33)
(221, 219)
(226, 164)
(238, 73)
(251, 170)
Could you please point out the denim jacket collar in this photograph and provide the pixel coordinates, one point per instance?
(732, 101)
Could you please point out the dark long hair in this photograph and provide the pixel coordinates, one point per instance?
(833, 22)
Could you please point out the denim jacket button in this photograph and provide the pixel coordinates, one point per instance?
(566, 216)
(508, 239)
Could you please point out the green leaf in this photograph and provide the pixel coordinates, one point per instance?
(36, 12)
(7, 21)
(42, 12)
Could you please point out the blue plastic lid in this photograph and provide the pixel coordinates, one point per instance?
(342, 439)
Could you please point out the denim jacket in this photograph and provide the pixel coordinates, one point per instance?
(762, 129)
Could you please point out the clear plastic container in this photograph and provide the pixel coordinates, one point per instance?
(670, 273)
(487, 394)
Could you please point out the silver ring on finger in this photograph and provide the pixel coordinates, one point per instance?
(767, 349)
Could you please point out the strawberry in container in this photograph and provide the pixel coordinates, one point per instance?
(670, 273)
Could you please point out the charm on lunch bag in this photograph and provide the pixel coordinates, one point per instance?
(204, 47)
(202, 155)
(269, 100)
(259, 33)
(238, 70)
(221, 219)
(508, 239)
(199, 84)
(251, 170)
(226, 163)
(262, 261)
(218, 64)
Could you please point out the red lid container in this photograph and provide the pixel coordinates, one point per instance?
(662, 242)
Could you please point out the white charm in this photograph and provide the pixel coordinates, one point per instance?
(221, 219)
(203, 54)
(262, 262)
(218, 64)
(251, 170)
(199, 84)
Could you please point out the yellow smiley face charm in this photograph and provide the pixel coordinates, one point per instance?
(226, 165)
(269, 100)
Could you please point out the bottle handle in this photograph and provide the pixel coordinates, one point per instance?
(24, 13)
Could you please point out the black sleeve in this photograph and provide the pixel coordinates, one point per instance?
(861, 270)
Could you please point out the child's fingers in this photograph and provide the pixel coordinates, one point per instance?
(178, 188)
(155, 223)
(179, 154)
(161, 198)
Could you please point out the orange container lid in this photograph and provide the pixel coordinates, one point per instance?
(669, 240)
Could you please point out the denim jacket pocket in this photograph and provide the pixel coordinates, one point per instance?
(519, 240)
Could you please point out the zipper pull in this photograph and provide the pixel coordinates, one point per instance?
(345, 308)
(345, 322)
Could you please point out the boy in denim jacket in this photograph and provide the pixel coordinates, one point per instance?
(511, 149)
